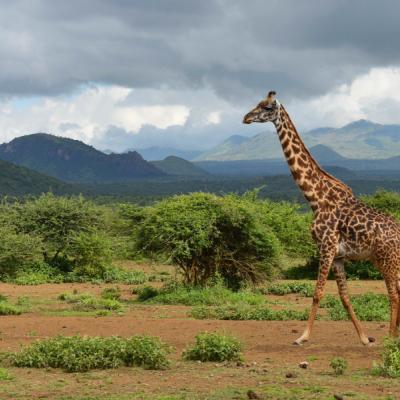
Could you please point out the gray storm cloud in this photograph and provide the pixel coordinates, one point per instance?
(236, 47)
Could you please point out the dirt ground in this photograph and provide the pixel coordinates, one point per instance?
(268, 351)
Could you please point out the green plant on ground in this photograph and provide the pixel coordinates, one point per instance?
(111, 293)
(243, 312)
(87, 302)
(339, 365)
(145, 293)
(282, 288)
(114, 274)
(80, 354)
(368, 307)
(8, 309)
(214, 347)
(390, 364)
(215, 293)
(5, 375)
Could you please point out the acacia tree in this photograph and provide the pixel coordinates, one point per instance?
(204, 234)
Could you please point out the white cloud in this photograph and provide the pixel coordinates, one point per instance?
(86, 114)
(374, 96)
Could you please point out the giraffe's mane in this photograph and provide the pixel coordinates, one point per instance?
(330, 177)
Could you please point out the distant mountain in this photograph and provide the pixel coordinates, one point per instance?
(20, 181)
(156, 153)
(331, 161)
(180, 167)
(74, 161)
(358, 140)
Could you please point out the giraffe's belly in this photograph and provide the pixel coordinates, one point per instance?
(352, 251)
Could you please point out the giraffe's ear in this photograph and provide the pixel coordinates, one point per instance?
(271, 96)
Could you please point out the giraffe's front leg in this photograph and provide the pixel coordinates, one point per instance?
(325, 262)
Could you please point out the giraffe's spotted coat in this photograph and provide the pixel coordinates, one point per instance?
(344, 228)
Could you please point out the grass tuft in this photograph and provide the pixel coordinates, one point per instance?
(390, 365)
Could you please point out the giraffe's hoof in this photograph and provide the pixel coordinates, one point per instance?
(299, 342)
(371, 339)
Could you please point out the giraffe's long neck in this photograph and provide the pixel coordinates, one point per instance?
(319, 188)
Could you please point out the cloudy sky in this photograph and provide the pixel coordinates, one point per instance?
(181, 73)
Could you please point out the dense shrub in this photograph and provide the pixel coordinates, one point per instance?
(214, 347)
(385, 201)
(204, 234)
(244, 312)
(91, 253)
(80, 354)
(17, 250)
(390, 365)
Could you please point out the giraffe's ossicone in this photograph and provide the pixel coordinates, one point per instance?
(343, 228)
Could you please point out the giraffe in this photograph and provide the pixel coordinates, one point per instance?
(343, 227)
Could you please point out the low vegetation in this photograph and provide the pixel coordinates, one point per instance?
(7, 308)
(213, 295)
(214, 347)
(87, 302)
(367, 306)
(390, 365)
(80, 354)
(243, 312)
(282, 288)
(339, 365)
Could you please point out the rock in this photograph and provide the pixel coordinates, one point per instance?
(239, 364)
(252, 395)
(338, 396)
(295, 331)
(304, 364)
(290, 375)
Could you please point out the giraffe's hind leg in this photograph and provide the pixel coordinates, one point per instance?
(340, 275)
(398, 309)
(392, 287)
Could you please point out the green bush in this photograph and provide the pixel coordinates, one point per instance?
(204, 235)
(9, 309)
(214, 347)
(17, 251)
(368, 307)
(390, 365)
(282, 288)
(244, 312)
(5, 375)
(114, 274)
(91, 253)
(145, 293)
(111, 293)
(86, 302)
(339, 365)
(213, 294)
(386, 201)
(36, 274)
(80, 354)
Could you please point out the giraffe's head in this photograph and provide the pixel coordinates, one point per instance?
(267, 110)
